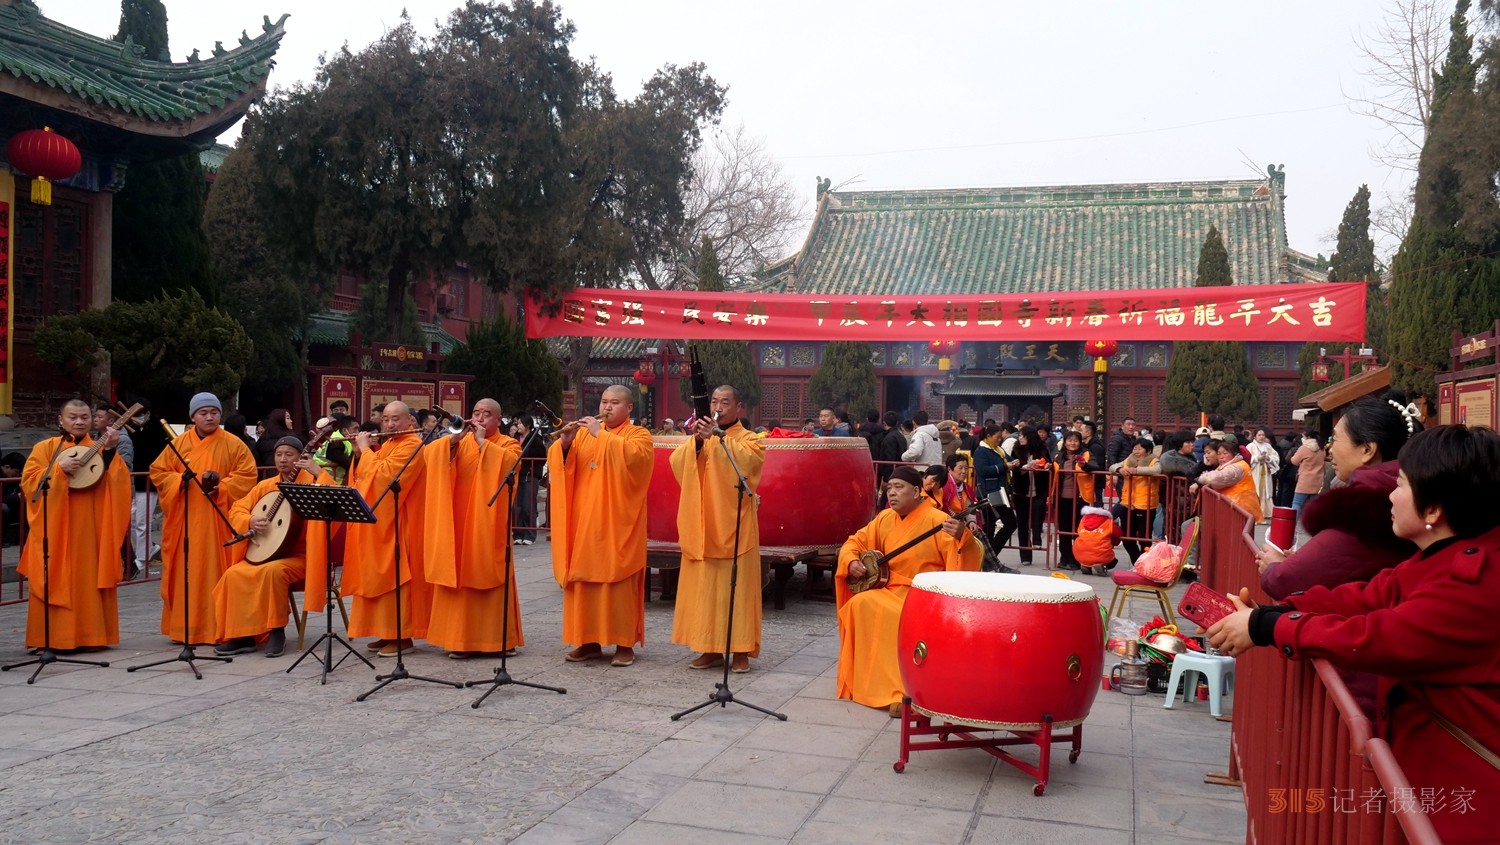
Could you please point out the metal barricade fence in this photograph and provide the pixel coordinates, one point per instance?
(1301, 748)
(16, 530)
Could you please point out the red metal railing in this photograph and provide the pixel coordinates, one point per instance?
(1301, 748)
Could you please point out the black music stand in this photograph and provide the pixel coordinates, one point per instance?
(721, 694)
(502, 674)
(188, 655)
(325, 504)
(47, 656)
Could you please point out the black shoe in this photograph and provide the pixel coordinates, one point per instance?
(1071, 567)
(276, 644)
(238, 645)
(1006, 570)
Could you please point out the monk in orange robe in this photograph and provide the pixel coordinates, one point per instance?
(370, 548)
(251, 601)
(600, 470)
(466, 539)
(706, 520)
(226, 469)
(84, 531)
(868, 671)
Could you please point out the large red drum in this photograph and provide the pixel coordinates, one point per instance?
(814, 491)
(1001, 651)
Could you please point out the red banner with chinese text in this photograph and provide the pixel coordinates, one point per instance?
(1325, 312)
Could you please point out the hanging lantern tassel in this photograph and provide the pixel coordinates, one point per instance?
(41, 191)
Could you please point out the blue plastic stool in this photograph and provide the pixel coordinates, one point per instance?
(1216, 669)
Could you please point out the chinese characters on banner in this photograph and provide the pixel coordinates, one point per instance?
(1330, 312)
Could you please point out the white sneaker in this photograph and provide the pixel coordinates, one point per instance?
(527, 542)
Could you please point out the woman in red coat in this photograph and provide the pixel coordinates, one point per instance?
(1426, 626)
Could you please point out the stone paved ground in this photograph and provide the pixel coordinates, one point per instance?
(251, 754)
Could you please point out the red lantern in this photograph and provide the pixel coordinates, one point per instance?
(944, 349)
(45, 156)
(1320, 371)
(644, 377)
(1102, 348)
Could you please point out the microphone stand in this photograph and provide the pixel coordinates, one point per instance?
(187, 655)
(721, 694)
(502, 677)
(47, 655)
(399, 673)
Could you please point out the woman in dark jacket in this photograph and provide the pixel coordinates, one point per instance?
(278, 425)
(992, 469)
(533, 458)
(1030, 483)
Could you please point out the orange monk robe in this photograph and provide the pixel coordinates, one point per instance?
(466, 542)
(225, 454)
(85, 529)
(705, 530)
(868, 669)
(599, 534)
(370, 548)
(251, 599)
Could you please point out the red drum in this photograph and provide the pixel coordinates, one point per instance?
(814, 491)
(1001, 651)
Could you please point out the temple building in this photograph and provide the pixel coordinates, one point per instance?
(117, 106)
(1009, 241)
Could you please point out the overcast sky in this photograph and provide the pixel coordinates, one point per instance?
(878, 95)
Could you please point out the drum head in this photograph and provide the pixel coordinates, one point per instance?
(997, 586)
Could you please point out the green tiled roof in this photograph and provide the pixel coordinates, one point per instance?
(1033, 240)
(95, 72)
(331, 328)
(213, 158)
(606, 348)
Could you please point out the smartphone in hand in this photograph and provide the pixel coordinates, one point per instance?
(1204, 606)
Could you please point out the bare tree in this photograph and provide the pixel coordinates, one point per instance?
(740, 198)
(1402, 56)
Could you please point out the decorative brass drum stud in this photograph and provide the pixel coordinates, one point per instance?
(1075, 667)
(919, 653)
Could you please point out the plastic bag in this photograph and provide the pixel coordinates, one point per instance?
(1122, 631)
(1159, 563)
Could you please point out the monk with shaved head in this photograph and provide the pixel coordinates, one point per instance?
(465, 534)
(84, 529)
(370, 548)
(600, 470)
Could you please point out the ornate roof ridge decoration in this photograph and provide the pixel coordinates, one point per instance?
(1038, 239)
(47, 62)
(1225, 190)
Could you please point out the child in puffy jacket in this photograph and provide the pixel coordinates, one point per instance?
(1098, 534)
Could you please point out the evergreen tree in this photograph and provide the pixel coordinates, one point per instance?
(271, 300)
(845, 379)
(166, 349)
(1444, 278)
(1353, 260)
(158, 241)
(507, 367)
(1212, 376)
(724, 361)
(1213, 261)
(144, 22)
